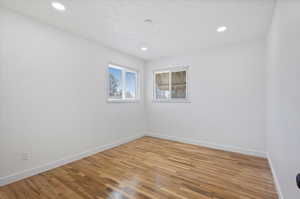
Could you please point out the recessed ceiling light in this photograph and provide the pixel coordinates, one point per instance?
(144, 48)
(221, 28)
(58, 6)
(148, 21)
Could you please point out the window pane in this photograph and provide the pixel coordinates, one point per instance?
(179, 84)
(131, 80)
(162, 85)
(115, 83)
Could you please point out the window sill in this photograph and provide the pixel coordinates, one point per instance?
(123, 101)
(173, 101)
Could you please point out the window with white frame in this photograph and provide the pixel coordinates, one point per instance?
(122, 83)
(171, 84)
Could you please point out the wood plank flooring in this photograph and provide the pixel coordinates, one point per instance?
(152, 168)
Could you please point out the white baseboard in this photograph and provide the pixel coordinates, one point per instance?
(276, 181)
(34, 171)
(210, 145)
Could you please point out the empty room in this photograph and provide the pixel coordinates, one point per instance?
(149, 99)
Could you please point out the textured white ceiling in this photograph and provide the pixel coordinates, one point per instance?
(179, 26)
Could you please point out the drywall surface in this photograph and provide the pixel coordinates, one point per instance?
(227, 108)
(283, 99)
(53, 95)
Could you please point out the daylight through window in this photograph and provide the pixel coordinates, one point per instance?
(171, 84)
(123, 83)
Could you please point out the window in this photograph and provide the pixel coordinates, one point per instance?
(171, 85)
(122, 84)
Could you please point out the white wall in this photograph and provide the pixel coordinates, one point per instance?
(53, 95)
(283, 110)
(227, 108)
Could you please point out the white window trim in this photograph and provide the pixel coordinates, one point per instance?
(124, 70)
(170, 70)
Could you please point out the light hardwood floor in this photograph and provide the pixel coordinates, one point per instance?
(152, 168)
